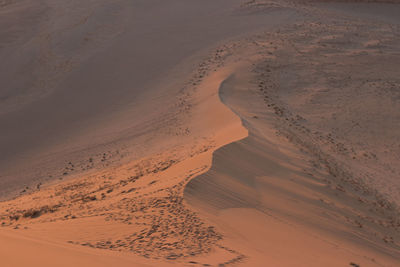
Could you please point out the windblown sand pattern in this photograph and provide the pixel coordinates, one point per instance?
(278, 148)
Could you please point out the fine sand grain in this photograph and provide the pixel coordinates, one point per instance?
(212, 133)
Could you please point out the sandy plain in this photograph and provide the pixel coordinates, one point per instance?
(260, 133)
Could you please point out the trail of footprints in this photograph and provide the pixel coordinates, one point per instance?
(163, 227)
(170, 230)
(293, 127)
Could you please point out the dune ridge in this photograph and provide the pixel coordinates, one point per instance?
(241, 173)
(81, 79)
(321, 192)
(138, 208)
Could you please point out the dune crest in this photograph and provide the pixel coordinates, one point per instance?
(267, 154)
(138, 207)
(297, 186)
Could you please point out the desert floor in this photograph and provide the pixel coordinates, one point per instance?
(199, 133)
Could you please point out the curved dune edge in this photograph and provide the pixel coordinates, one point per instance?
(144, 199)
(266, 206)
(59, 224)
(249, 235)
(267, 194)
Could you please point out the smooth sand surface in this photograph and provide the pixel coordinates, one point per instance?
(199, 133)
(83, 78)
(22, 251)
(269, 199)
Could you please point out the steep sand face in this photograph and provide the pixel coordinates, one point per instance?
(235, 171)
(92, 83)
(307, 187)
(136, 209)
(264, 196)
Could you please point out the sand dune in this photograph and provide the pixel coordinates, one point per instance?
(272, 198)
(36, 253)
(81, 79)
(138, 207)
(259, 133)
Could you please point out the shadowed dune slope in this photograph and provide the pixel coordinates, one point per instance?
(264, 194)
(83, 78)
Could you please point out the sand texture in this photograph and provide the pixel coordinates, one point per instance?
(199, 133)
